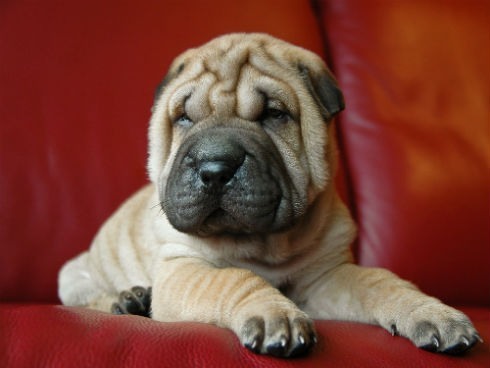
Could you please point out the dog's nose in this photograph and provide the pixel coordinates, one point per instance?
(217, 173)
(216, 155)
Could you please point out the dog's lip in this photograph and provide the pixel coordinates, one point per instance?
(215, 223)
(211, 223)
(217, 213)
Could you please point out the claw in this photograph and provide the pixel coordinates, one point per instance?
(278, 349)
(436, 341)
(253, 346)
(463, 345)
(314, 339)
(116, 309)
(302, 347)
(301, 340)
(433, 345)
(394, 331)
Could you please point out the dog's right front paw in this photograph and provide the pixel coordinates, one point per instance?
(279, 336)
(135, 301)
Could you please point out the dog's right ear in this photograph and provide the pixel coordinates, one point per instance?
(172, 73)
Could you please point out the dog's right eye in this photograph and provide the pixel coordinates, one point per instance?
(184, 121)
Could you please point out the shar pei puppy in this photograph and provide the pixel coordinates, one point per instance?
(241, 225)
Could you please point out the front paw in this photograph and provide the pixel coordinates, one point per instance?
(135, 301)
(281, 335)
(439, 328)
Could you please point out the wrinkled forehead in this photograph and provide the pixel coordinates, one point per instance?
(223, 56)
(236, 76)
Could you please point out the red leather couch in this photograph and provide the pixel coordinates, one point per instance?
(76, 84)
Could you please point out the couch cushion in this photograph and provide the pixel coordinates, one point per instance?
(416, 137)
(54, 336)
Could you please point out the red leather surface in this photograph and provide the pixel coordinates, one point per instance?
(69, 337)
(416, 135)
(76, 86)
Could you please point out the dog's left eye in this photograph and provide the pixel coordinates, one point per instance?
(184, 121)
(275, 114)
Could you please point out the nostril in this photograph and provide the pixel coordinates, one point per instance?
(216, 173)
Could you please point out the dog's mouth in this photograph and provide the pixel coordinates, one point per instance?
(236, 209)
(237, 221)
(221, 222)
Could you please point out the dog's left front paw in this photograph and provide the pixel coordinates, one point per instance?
(135, 301)
(439, 328)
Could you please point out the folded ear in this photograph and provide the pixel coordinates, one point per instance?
(172, 73)
(324, 89)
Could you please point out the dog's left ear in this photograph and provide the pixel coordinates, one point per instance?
(171, 74)
(324, 89)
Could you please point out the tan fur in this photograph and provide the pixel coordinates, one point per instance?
(233, 282)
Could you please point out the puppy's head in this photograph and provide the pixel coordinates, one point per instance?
(239, 140)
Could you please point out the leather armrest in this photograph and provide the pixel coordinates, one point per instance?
(48, 335)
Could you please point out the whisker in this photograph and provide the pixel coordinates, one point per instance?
(158, 204)
(162, 207)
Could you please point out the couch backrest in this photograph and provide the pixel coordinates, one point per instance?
(76, 87)
(416, 137)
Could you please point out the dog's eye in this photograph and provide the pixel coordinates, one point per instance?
(184, 121)
(276, 115)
